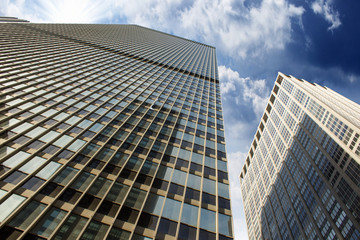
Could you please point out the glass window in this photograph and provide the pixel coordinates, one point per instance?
(100, 186)
(164, 173)
(209, 186)
(135, 198)
(171, 209)
(73, 120)
(49, 222)
(75, 146)
(5, 151)
(118, 234)
(207, 220)
(194, 181)
(90, 149)
(83, 181)
(33, 165)
(61, 116)
(23, 219)
(186, 232)
(48, 170)
(172, 151)
(117, 192)
(189, 214)
(223, 190)
(2, 193)
(199, 140)
(22, 127)
(71, 228)
(33, 184)
(9, 205)
(209, 162)
(49, 136)
(222, 166)
(35, 132)
(197, 158)
(63, 140)
(225, 225)
(16, 159)
(184, 154)
(104, 154)
(179, 177)
(96, 127)
(154, 203)
(84, 123)
(66, 175)
(95, 230)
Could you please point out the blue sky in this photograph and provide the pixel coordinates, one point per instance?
(317, 40)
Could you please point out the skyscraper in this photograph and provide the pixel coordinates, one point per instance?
(301, 178)
(110, 132)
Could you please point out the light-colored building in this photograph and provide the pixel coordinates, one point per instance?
(301, 178)
(110, 132)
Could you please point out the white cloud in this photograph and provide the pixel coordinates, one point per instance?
(236, 161)
(60, 11)
(235, 29)
(238, 30)
(242, 89)
(324, 8)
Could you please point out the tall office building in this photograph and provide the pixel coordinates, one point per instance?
(110, 132)
(301, 178)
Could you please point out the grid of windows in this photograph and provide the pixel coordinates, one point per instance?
(306, 183)
(110, 132)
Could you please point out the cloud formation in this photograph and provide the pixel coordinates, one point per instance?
(61, 11)
(243, 91)
(236, 161)
(324, 8)
(237, 30)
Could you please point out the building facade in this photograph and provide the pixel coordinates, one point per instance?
(301, 178)
(110, 132)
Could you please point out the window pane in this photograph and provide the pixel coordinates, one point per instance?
(71, 228)
(223, 190)
(95, 230)
(63, 140)
(225, 224)
(27, 215)
(189, 214)
(164, 173)
(75, 146)
(33, 165)
(117, 192)
(118, 234)
(16, 159)
(179, 177)
(209, 186)
(48, 170)
(135, 198)
(49, 222)
(194, 181)
(197, 158)
(207, 220)
(154, 203)
(66, 175)
(100, 186)
(171, 209)
(9, 205)
(83, 181)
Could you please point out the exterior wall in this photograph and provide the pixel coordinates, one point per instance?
(110, 132)
(301, 177)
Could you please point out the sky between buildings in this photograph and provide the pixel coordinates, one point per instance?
(317, 40)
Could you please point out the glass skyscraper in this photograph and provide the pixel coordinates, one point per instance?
(110, 132)
(301, 178)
